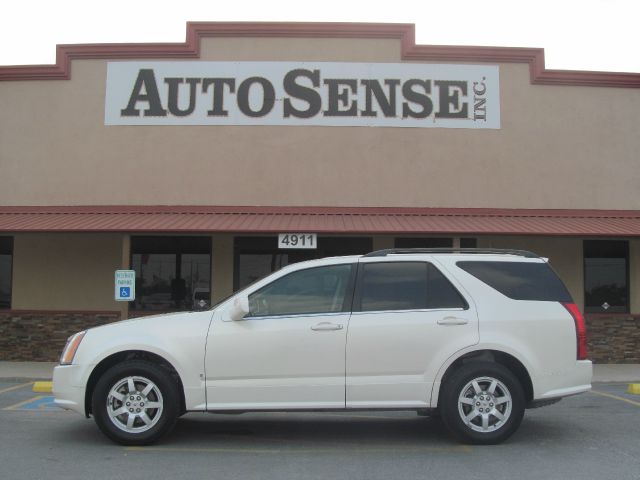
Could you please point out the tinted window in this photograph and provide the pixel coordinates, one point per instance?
(6, 252)
(440, 292)
(468, 243)
(406, 286)
(314, 290)
(172, 273)
(519, 280)
(423, 242)
(606, 273)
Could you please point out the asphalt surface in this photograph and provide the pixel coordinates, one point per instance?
(590, 436)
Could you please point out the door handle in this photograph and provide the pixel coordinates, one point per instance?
(453, 321)
(323, 326)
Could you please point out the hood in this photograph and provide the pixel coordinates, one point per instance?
(156, 323)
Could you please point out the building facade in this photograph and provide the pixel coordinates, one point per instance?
(185, 162)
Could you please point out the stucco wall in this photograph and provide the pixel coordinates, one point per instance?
(559, 147)
(222, 271)
(65, 271)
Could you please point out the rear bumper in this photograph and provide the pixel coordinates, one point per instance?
(68, 391)
(570, 382)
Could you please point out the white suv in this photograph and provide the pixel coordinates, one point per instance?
(475, 336)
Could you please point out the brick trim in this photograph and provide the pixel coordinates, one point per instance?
(613, 337)
(38, 335)
(404, 32)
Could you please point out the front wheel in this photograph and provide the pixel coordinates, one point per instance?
(482, 403)
(135, 402)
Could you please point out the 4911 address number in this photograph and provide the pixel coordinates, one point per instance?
(297, 240)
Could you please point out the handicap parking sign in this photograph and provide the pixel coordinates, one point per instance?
(125, 285)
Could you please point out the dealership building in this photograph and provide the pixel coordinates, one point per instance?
(205, 165)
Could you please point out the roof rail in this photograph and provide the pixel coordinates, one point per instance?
(499, 251)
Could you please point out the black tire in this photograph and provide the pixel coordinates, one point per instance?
(458, 391)
(113, 393)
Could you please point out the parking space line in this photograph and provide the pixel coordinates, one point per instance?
(616, 397)
(24, 402)
(456, 449)
(15, 387)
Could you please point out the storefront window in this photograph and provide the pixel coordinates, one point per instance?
(256, 257)
(423, 242)
(468, 243)
(606, 276)
(6, 260)
(433, 242)
(172, 273)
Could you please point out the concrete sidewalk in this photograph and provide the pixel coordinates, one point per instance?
(44, 371)
(27, 370)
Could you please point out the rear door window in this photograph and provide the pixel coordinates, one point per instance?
(405, 286)
(519, 280)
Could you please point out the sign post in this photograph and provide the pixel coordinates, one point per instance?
(125, 285)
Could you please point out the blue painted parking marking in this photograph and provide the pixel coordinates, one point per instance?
(41, 402)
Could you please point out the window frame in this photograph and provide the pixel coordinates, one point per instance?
(347, 302)
(601, 311)
(357, 298)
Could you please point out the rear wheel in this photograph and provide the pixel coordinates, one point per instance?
(135, 402)
(482, 403)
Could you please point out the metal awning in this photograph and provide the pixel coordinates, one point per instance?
(337, 220)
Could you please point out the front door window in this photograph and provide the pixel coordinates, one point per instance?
(310, 291)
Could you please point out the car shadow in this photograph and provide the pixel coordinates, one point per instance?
(320, 431)
(295, 430)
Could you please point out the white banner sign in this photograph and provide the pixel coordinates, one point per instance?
(301, 93)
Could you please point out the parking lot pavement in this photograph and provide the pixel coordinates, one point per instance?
(590, 436)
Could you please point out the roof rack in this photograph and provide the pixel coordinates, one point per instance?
(500, 251)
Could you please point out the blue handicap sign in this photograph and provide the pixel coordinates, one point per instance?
(125, 292)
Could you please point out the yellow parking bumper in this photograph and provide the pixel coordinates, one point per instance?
(42, 387)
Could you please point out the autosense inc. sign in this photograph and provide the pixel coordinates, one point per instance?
(301, 93)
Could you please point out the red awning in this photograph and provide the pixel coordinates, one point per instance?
(339, 220)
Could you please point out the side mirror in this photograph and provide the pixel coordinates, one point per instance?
(240, 308)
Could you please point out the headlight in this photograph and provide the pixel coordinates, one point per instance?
(73, 342)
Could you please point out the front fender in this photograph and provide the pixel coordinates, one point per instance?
(178, 339)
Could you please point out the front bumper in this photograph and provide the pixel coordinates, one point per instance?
(68, 390)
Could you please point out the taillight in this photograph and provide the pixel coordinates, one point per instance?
(581, 329)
